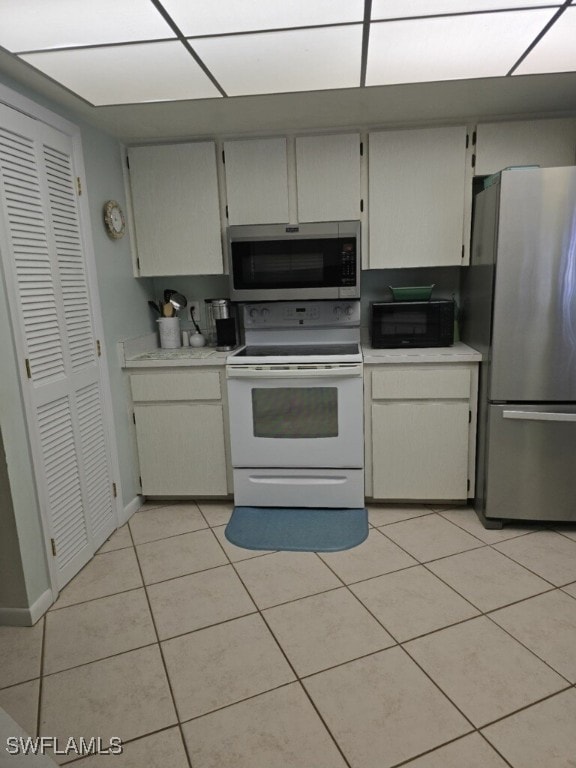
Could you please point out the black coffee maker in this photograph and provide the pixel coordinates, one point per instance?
(221, 324)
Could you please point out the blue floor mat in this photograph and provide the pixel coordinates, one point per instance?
(297, 529)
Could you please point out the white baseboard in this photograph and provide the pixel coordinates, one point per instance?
(129, 509)
(27, 617)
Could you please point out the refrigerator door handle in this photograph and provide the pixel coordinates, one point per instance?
(538, 416)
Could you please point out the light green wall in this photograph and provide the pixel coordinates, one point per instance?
(125, 312)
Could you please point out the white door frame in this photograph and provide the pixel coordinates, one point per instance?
(33, 110)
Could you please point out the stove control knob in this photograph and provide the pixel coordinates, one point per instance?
(253, 313)
(264, 312)
(348, 310)
(338, 311)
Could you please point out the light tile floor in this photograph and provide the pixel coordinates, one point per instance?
(434, 644)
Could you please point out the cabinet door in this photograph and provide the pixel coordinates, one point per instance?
(420, 450)
(328, 177)
(546, 143)
(257, 181)
(176, 209)
(181, 449)
(416, 197)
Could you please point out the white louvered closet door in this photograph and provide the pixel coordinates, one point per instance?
(46, 278)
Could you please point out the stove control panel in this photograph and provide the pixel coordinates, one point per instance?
(309, 314)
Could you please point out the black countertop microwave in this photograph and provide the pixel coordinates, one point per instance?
(270, 262)
(412, 323)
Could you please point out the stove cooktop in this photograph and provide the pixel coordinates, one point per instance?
(297, 350)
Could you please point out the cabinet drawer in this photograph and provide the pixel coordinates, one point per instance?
(399, 382)
(189, 385)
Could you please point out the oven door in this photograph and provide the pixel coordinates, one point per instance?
(293, 415)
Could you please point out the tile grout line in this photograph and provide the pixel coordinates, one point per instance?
(570, 682)
(347, 586)
(292, 668)
(300, 679)
(124, 742)
(480, 545)
(398, 642)
(517, 535)
(41, 678)
(160, 649)
(496, 749)
(482, 611)
(556, 586)
(447, 743)
(94, 599)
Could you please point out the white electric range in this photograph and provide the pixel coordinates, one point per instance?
(295, 394)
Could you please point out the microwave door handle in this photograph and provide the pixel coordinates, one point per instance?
(297, 373)
(539, 416)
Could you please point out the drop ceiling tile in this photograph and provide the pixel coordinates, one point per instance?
(450, 47)
(206, 17)
(279, 62)
(40, 25)
(127, 74)
(556, 52)
(397, 9)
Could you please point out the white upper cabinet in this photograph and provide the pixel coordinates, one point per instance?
(533, 142)
(257, 181)
(417, 193)
(176, 209)
(328, 177)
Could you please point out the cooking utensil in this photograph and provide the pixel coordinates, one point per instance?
(167, 293)
(177, 300)
(155, 307)
(168, 310)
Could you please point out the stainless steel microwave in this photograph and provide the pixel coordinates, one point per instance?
(412, 323)
(306, 261)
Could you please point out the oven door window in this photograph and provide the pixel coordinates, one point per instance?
(295, 412)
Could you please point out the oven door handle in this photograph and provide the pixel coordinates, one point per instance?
(351, 371)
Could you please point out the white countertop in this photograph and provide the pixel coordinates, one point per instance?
(457, 353)
(174, 358)
(143, 352)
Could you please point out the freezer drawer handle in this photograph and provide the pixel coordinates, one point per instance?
(539, 416)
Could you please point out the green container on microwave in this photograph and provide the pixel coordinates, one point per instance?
(412, 292)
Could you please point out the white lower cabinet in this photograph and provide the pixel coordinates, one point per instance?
(420, 431)
(180, 432)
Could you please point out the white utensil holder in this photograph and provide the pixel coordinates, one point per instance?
(169, 328)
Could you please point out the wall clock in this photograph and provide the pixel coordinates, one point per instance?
(114, 220)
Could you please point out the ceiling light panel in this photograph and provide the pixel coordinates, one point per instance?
(399, 9)
(279, 62)
(556, 51)
(450, 47)
(127, 74)
(34, 25)
(219, 17)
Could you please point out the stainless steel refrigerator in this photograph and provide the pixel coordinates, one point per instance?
(519, 310)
